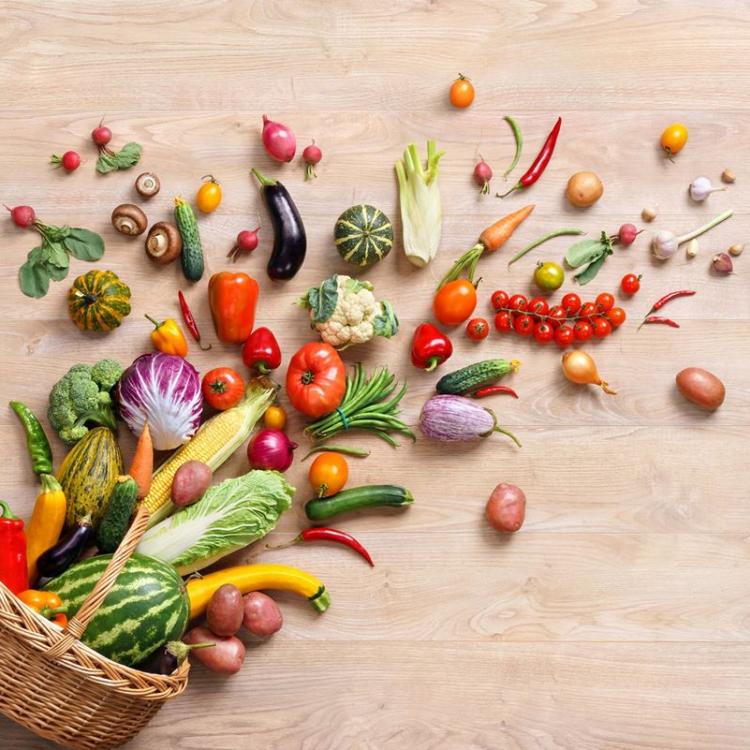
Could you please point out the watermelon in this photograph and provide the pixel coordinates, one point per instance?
(146, 607)
(364, 235)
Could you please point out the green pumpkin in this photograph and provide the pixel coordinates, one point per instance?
(364, 235)
(98, 301)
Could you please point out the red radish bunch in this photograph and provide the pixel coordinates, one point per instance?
(246, 242)
(69, 161)
(311, 156)
(482, 176)
(23, 216)
(278, 140)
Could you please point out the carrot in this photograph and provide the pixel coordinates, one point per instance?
(142, 465)
(491, 239)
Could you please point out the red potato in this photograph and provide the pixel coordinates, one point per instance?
(190, 482)
(225, 610)
(225, 657)
(262, 615)
(506, 508)
(701, 388)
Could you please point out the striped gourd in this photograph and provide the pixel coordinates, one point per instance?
(89, 473)
(213, 444)
(98, 301)
(146, 607)
(192, 249)
(364, 235)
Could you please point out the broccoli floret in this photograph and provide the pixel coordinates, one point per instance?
(82, 397)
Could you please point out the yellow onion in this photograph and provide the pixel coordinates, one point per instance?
(580, 368)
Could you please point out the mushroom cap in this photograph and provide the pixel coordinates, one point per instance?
(129, 220)
(163, 243)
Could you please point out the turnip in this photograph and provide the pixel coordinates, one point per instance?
(312, 156)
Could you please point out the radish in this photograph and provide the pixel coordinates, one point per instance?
(278, 140)
(483, 175)
(69, 161)
(626, 234)
(23, 216)
(312, 156)
(247, 241)
(101, 135)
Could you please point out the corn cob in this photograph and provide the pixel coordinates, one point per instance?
(213, 444)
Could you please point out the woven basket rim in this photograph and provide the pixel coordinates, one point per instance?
(39, 634)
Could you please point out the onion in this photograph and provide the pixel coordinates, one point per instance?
(271, 449)
(278, 141)
(722, 263)
(580, 368)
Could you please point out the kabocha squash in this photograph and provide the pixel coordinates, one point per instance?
(98, 301)
(89, 473)
(364, 235)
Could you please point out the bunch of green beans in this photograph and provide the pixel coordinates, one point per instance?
(368, 404)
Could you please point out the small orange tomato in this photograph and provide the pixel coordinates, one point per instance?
(462, 92)
(455, 302)
(674, 138)
(209, 195)
(274, 417)
(328, 474)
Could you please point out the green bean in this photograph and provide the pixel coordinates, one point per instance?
(516, 128)
(541, 240)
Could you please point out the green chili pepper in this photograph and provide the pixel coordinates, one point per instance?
(36, 439)
(542, 240)
(516, 128)
(357, 498)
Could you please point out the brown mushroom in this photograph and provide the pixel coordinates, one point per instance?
(147, 185)
(129, 220)
(164, 243)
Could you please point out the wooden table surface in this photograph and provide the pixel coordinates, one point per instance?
(619, 616)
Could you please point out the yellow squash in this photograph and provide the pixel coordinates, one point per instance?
(46, 524)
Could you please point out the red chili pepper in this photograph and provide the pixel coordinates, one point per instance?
(536, 170)
(663, 321)
(261, 350)
(491, 390)
(192, 326)
(14, 571)
(325, 534)
(669, 297)
(430, 347)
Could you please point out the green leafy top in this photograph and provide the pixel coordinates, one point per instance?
(110, 161)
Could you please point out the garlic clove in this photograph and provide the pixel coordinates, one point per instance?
(691, 249)
(648, 214)
(736, 249)
(728, 176)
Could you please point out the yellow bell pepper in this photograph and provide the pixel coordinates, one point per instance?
(257, 577)
(168, 337)
(47, 521)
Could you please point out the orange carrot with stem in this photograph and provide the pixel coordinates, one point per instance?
(491, 239)
(142, 466)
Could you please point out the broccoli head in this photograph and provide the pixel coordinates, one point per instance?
(81, 397)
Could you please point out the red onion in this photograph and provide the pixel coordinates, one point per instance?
(271, 449)
(278, 141)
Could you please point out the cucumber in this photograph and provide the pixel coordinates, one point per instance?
(116, 518)
(478, 375)
(372, 496)
(192, 250)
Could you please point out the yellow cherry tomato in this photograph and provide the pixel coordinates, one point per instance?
(674, 138)
(274, 417)
(209, 195)
(462, 92)
(328, 474)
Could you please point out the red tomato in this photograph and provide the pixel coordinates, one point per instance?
(523, 325)
(223, 388)
(316, 379)
(517, 302)
(455, 302)
(583, 330)
(543, 333)
(499, 299)
(616, 316)
(630, 283)
(477, 329)
(571, 303)
(503, 321)
(587, 310)
(604, 302)
(537, 306)
(556, 316)
(602, 328)
(564, 336)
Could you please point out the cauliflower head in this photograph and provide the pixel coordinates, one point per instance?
(344, 311)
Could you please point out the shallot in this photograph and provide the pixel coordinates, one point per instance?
(664, 244)
(278, 140)
(701, 187)
(579, 367)
(722, 263)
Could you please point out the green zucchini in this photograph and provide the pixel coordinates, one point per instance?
(116, 519)
(192, 249)
(478, 375)
(372, 496)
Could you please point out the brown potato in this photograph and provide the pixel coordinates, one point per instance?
(190, 482)
(584, 189)
(262, 616)
(225, 610)
(225, 657)
(701, 388)
(506, 508)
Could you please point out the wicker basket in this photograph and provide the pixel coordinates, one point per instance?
(66, 692)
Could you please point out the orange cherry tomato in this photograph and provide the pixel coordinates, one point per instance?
(209, 195)
(274, 417)
(223, 388)
(328, 474)
(455, 302)
(674, 138)
(462, 92)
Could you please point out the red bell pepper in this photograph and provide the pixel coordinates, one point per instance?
(261, 351)
(430, 347)
(14, 571)
(232, 298)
